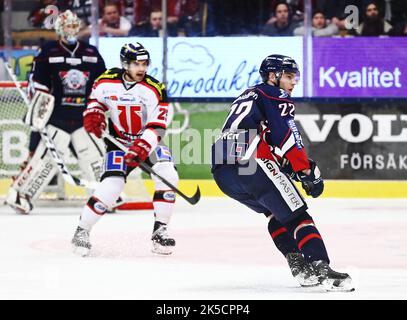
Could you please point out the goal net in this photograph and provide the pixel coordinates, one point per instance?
(14, 140)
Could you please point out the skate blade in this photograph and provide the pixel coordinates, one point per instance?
(344, 286)
(80, 251)
(161, 250)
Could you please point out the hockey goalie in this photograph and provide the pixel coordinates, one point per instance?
(65, 69)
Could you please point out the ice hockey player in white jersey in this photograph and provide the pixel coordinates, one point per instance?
(136, 106)
(65, 68)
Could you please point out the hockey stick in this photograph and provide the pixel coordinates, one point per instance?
(192, 200)
(49, 143)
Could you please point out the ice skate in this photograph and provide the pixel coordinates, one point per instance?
(19, 202)
(330, 279)
(302, 270)
(80, 242)
(162, 242)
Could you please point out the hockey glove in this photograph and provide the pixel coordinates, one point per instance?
(312, 183)
(285, 166)
(94, 121)
(137, 153)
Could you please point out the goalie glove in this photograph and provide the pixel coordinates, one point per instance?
(137, 153)
(313, 184)
(94, 121)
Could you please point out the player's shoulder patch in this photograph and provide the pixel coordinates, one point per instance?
(111, 74)
(157, 85)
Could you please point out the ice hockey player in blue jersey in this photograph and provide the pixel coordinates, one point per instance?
(65, 68)
(255, 159)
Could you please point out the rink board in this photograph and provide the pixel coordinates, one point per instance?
(333, 188)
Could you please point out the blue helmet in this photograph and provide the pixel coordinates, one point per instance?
(133, 52)
(278, 64)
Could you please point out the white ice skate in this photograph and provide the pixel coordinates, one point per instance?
(162, 242)
(332, 280)
(80, 242)
(19, 202)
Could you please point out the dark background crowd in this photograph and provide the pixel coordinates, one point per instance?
(195, 18)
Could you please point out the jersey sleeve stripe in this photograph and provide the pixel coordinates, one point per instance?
(99, 82)
(97, 104)
(156, 124)
(274, 98)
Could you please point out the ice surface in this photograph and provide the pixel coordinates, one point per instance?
(223, 252)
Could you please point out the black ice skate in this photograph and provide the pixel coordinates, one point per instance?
(80, 242)
(330, 279)
(162, 242)
(302, 270)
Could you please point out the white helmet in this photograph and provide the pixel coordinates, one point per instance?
(67, 18)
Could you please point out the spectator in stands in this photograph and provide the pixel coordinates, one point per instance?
(37, 16)
(296, 7)
(393, 11)
(190, 19)
(111, 24)
(321, 27)
(283, 24)
(143, 9)
(399, 30)
(373, 24)
(336, 11)
(152, 28)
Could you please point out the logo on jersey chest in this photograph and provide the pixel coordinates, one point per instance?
(74, 81)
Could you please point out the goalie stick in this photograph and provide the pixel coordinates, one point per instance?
(192, 200)
(49, 143)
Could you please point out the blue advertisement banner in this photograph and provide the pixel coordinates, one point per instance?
(209, 67)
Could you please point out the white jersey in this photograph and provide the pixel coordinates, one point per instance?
(132, 109)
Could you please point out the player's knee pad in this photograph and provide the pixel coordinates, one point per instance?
(167, 171)
(90, 152)
(97, 205)
(166, 196)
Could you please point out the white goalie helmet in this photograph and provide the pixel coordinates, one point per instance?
(64, 20)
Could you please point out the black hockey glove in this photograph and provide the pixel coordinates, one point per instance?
(285, 166)
(313, 184)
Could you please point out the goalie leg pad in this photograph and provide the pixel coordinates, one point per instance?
(40, 110)
(90, 152)
(41, 168)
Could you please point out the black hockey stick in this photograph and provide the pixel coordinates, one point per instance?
(192, 200)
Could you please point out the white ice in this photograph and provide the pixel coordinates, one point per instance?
(223, 252)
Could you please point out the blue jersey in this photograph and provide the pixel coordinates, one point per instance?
(261, 123)
(68, 73)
